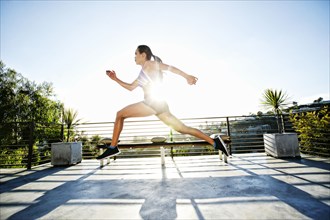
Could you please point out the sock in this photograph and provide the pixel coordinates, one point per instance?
(112, 147)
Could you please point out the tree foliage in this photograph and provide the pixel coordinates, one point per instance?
(22, 100)
(26, 108)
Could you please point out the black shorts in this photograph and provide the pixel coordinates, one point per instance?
(160, 106)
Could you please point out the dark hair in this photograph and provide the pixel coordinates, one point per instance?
(145, 49)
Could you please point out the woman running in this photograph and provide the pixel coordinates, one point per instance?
(149, 80)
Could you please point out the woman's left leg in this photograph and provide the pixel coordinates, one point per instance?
(177, 125)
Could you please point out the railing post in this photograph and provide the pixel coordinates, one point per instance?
(171, 135)
(162, 156)
(283, 123)
(62, 132)
(30, 147)
(228, 133)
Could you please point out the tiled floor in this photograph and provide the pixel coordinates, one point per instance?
(250, 186)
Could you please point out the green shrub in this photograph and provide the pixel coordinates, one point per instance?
(313, 129)
(12, 158)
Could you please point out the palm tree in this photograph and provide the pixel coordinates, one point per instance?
(70, 119)
(275, 101)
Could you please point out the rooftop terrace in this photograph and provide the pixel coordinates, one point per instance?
(250, 186)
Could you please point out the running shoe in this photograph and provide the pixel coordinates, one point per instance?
(109, 153)
(220, 145)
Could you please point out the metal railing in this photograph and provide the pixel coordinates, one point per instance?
(29, 144)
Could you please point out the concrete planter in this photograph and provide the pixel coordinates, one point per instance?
(66, 153)
(282, 145)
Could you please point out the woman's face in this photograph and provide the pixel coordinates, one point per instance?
(139, 57)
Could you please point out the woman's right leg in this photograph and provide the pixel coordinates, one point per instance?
(134, 110)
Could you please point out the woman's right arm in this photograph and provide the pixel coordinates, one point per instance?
(128, 86)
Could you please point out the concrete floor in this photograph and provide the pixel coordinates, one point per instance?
(250, 186)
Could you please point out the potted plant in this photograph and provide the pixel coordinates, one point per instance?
(279, 144)
(69, 152)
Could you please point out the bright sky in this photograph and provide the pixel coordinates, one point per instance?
(237, 49)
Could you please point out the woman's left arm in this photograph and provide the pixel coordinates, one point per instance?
(191, 80)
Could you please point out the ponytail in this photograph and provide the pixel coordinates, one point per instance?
(157, 59)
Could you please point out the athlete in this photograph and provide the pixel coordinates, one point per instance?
(149, 80)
